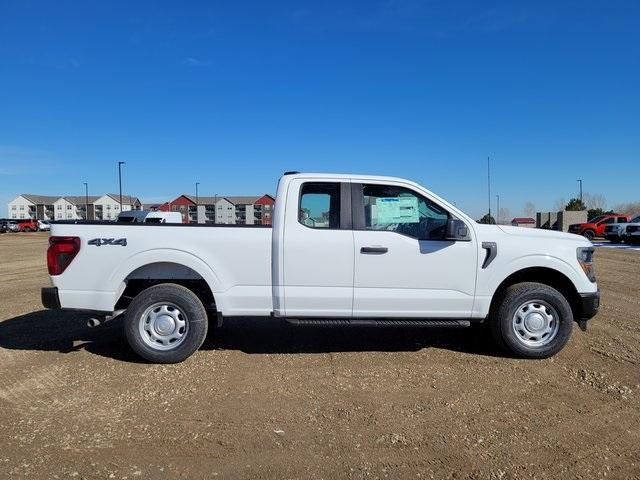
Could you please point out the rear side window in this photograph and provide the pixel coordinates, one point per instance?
(622, 220)
(398, 209)
(320, 205)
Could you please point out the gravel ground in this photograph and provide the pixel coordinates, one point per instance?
(265, 400)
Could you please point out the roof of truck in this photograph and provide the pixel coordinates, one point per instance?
(352, 176)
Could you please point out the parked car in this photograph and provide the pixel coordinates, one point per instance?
(617, 232)
(12, 226)
(27, 226)
(4, 228)
(163, 217)
(595, 227)
(379, 251)
(132, 216)
(633, 233)
(44, 226)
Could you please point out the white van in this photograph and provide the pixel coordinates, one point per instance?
(163, 217)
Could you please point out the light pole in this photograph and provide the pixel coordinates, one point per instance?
(197, 201)
(580, 182)
(215, 208)
(498, 209)
(86, 200)
(489, 186)
(120, 181)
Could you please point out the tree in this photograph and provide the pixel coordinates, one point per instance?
(630, 208)
(503, 216)
(559, 205)
(574, 205)
(529, 209)
(594, 201)
(487, 219)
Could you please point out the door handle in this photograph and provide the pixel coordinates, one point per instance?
(374, 250)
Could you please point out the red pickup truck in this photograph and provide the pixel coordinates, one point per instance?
(595, 227)
(28, 226)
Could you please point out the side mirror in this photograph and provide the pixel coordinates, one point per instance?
(456, 230)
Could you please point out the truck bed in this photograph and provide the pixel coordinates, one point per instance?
(234, 260)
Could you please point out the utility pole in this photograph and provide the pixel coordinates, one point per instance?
(580, 182)
(120, 181)
(498, 209)
(86, 200)
(489, 186)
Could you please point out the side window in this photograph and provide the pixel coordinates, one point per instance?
(320, 205)
(622, 220)
(609, 220)
(398, 209)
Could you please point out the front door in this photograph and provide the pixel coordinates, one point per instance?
(403, 265)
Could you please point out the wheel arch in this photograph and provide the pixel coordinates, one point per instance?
(545, 275)
(163, 266)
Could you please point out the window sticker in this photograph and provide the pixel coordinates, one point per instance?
(397, 210)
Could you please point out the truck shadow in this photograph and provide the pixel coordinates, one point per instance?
(67, 332)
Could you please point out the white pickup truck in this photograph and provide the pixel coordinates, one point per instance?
(343, 250)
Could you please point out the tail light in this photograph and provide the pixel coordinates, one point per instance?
(61, 252)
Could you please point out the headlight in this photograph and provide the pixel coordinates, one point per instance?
(585, 259)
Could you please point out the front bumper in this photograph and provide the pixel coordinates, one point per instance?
(588, 306)
(50, 298)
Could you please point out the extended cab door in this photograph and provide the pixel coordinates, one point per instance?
(318, 249)
(403, 265)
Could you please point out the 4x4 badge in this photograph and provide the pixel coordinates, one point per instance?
(108, 241)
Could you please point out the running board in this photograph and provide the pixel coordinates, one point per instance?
(372, 322)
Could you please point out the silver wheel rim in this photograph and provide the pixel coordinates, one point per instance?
(535, 323)
(163, 326)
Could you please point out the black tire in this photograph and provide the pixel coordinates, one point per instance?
(502, 326)
(589, 234)
(188, 305)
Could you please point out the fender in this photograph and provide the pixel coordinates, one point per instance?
(530, 261)
(490, 279)
(115, 282)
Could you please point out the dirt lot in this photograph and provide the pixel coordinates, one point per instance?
(266, 400)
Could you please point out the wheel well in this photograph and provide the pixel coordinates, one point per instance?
(547, 276)
(165, 272)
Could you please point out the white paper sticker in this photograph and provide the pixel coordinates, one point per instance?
(397, 210)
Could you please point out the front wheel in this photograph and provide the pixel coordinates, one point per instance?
(165, 323)
(589, 234)
(533, 320)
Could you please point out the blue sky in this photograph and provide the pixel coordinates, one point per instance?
(231, 94)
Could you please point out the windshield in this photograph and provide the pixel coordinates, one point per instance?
(635, 220)
(597, 219)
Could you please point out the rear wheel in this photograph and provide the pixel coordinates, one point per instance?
(533, 320)
(165, 323)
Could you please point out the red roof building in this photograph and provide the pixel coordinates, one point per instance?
(523, 222)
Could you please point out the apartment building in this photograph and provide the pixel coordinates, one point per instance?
(107, 207)
(241, 210)
(29, 206)
(74, 208)
(51, 207)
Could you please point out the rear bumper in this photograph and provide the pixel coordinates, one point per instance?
(50, 298)
(588, 305)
